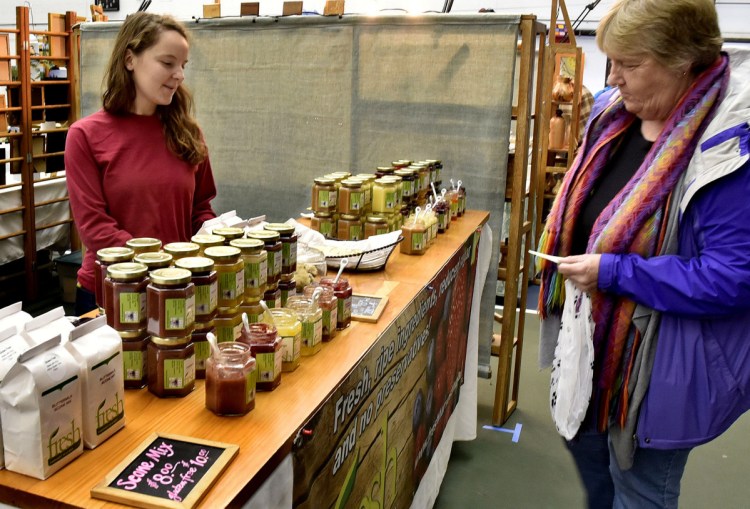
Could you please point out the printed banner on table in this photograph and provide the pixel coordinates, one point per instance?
(372, 440)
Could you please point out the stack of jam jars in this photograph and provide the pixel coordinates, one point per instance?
(255, 259)
(266, 346)
(230, 272)
(289, 328)
(273, 248)
(105, 257)
(288, 239)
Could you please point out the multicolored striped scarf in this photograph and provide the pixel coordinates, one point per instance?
(631, 223)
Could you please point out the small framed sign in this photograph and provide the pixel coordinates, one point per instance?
(367, 308)
(166, 471)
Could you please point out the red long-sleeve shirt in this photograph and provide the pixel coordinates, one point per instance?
(124, 182)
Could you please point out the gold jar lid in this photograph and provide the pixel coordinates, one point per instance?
(248, 246)
(222, 253)
(144, 243)
(207, 240)
(181, 341)
(115, 254)
(433, 161)
(351, 182)
(366, 176)
(154, 260)
(404, 172)
(349, 217)
(374, 218)
(323, 215)
(229, 233)
(282, 228)
(171, 276)
(182, 248)
(204, 326)
(127, 271)
(133, 335)
(195, 264)
(325, 181)
(344, 174)
(264, 235)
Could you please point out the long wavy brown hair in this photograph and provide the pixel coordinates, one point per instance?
(139, 32)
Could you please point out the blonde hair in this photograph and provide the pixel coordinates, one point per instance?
(682, 35)
(139, 32)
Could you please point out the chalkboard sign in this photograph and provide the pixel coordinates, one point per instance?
(166, 471)
(367, 308)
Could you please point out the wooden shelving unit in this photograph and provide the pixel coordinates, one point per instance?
(30, 102)
(520, 192)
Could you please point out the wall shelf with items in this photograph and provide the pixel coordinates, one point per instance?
(36, 109)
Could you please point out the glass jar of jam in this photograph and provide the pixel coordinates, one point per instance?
(431, 222)
(171, 303)
(228, 325)
(381, 171)
(105, 257)
(256, 267)
(207, 240)
(311, 318)
(143, 245)
(125, 296)
(324, 223)
(134, 345)
(349, 228)
(396, 181)
(452, 198)
(384, 196)
(272, 241)
(229, 233)
(182, 249)
(206, 284)
(265, 345)
(328, 304)
(324, 195)
(343, 292)
(289, 329)
(443, 211)
(415, 237)
(171, 366)
(367, 180)
(351, 197)
(461, 199)
(272, 297)
(154, 260)
(288, 247)
(202, 347)
(375, 224)
(407, 184)
(253, 310)
(230, 380)
(230, 270)
(286, 289)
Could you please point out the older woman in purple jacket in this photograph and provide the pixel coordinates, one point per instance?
(653, 222)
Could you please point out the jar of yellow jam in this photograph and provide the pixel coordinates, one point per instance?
(384, 196)
(289, 329)
(255, 259)
(311, 317)
(230, 270)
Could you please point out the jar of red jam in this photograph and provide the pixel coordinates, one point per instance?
(265, 345)
(272, 298)
(144, 245)
(228, 325)
(255, 259)
(343, 292)
(105, 257)
(325, 223)
(171, 303)
(443, 211)
(202, 347)
(154, 260)
(206, 282)
(206, 240)
(171, 366)
(272, 242)
(286, 289)
(328, 304)
(288, 247)
(349, 228)
(125, 296)
(289, 329)
(324, 195)
(230, 380)
(182, 249)
(134, 346)
(230, 270)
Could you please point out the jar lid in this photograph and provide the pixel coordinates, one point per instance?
(351, 182)
(374, 218)
(222, 253)
(264, 235)
(133, 335)
(395, 179)
(325, 215)
(154, 260)
(115, 254)
(127, 271)
(349, 217)
(282, 228)
(229, 233)
(404, 173)
(203, 326)
(182, 248)
(181, 341)
(247, 245)
(195, 264)
(171, 276)
(366, 176)
(143, 243)
(325, 181)
(401, 163)
(207, 240)
(344, 174)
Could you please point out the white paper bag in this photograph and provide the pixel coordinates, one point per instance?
(13, 315)
(48, 325)
(12, 344)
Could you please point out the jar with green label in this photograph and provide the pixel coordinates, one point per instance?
(311, 318)
(384, 196)
(171, 303)
(202, 347)
(255, 259)
(206, 284)
(228, 325)
(349, 228)
(143, 245)
(182, 249)
(125, 296)
(134, 348)
(288, 247)
(287, 289)
(407, 184)
(230, 270)
(104, 258)
(351, 197)
(324, 195)
(272, 297)
(171, 366)
(153, 261)
(230, 380)
(324, 223)
(375, 224)
(328, 304)
(272, 242)
(253, 310)
(266, 346)
(289, 329)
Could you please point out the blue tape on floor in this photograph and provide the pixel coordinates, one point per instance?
(515, 432)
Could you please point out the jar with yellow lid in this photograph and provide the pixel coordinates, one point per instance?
(171, 366)
(384, 196)
(351, 197)
(288, 247)
(229, 233)
(415, 237)
(153, 261)
(201, 346)
(105, 257)
(125, 296)
(228, 325)
(289, 329)
(401, 163)
(182, 249)
(255, 259)
(349, 227)
(367, 180)
(143, 245)
(171, 303)
(134, 352)
(207, 240)
(324, 223)
(375, 224)
(437, 166)
(206, 284)
(265, 345)
(272, 241)
(407, 184)
(230, 270)
(328, 303)
(324, 195)
(396, 180)
(311, 317)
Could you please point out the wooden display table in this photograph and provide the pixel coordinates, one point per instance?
(266, 435)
